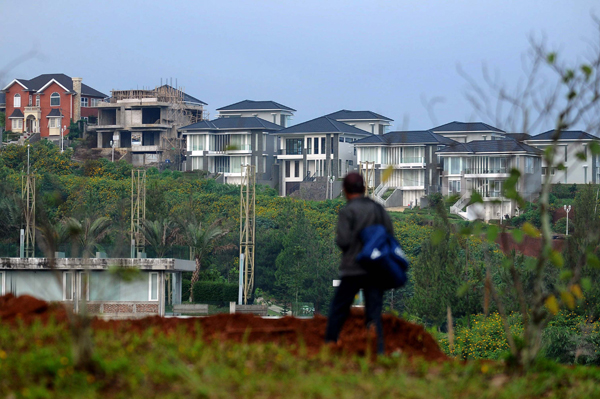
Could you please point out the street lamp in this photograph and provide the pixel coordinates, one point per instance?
(62, 134)
(112, 144)
(567, 209)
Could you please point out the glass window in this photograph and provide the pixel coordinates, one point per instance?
(309, 145)
(17, 123)
(297, 169)
(322, 145)
(265, 164)
(37, 100)
(264, 142)
(528, 165)
(54, 99)
(153, 287)
(68, 286)
(287, 168)
(293, 146)
(544, 171)
(17, 102)
(316, 145)
(30, 100)
(84, 285)
(454, 165)
(332, 141)
(95, 102)
(84, 101)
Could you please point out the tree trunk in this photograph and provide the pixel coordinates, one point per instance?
(195, 278)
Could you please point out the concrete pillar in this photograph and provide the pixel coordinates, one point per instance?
(76, 99)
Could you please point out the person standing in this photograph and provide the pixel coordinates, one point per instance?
(359, 212)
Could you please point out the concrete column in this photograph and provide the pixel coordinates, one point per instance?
(336, 155)
(76, 99)
(327, 168)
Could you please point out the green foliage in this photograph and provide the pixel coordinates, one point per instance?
(2, 119)
(560, 226)
(215, 292)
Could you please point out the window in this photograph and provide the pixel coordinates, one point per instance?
(544, 171)
(153, 287)
(297, 169)
(264, 164)
(332, 141)
(454, 186)
(196, 142)
(372, 128)
(274, 118)
(293, 146)
(552, 171)
(264, 142)
(322, 145)
(17, 102)
(287, 168)
(454, 163)
(316, 145)
(17, 123)
(368, 154)
(528, 165)
(84, 285)
(95, 102)
(68, 286)
(54, 99)
(84, 101)
(2, 284)
(585, 175)
(309, 145)
(565, 153)
(30, 100)
(37, 100)
(53, 122)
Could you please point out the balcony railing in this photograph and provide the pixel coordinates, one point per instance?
(291, 151)
(469, 171)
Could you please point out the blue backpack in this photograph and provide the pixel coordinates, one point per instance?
(383, 257)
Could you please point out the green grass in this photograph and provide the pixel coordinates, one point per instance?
(36, 362)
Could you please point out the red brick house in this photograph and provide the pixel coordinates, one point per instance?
(47, 103)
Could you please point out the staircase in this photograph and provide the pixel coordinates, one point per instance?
(460, 204)
(378, 192)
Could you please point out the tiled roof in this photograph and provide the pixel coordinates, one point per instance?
(54, 113)
(187, 98)
(345, 114)
(17, 113)
(564, 135)
(490, 146)
(466, 127)
(324, 124)
(250, 105)
(40, 81)
(518, 136)
(236, 122)
(410, 137)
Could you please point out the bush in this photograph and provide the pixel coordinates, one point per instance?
(560, 226)
(215, 292)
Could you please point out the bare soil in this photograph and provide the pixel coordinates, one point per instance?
(297, 334)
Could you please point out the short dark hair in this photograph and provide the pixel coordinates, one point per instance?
(354, 183)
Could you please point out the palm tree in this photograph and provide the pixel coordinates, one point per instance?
(160, 234)
(88, 233)
(202, 240)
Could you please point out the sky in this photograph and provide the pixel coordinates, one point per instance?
(390, 57)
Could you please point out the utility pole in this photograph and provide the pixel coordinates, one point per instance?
(567, 209)
(247, 230)
(138, 211)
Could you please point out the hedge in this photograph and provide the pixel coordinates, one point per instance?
(214, 292)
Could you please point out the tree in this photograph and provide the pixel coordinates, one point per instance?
(2, 119)
(160, 234)
(88, 233)
(202, 240)
(437, 276)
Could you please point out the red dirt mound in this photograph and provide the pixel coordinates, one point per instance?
(400, 336)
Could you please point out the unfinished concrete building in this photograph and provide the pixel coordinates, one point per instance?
(142, 125)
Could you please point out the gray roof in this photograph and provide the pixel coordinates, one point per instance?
(490, 146)
(466, 127)
(236, 122)
(187, 98)
(409, 137)
(324, 124)
(40, 81)
(517, 136)
(345, 114)
(564, 135)
(54, 113)
(250, 105)
(17, 113)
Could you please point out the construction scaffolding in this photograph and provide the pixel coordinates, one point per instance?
(247, 232)
(138, 211)
(28, 197)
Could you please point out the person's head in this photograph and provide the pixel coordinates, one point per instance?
(354, 185)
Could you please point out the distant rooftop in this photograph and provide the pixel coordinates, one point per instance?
(345, 114)
(324, 124)
(407, 137)
(564, 135)
(236, 122)
(250, 105)
(490, 146)
(466, 127)
(40, 81)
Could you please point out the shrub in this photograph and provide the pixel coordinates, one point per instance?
(560, 226)
(215, 292)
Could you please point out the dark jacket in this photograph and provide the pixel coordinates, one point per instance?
(356, 215)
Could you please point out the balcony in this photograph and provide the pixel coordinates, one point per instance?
(290, 153)
(495, 172)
